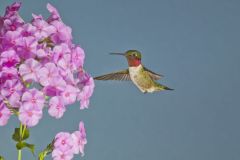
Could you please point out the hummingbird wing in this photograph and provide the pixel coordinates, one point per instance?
(152, 74)
(122, 75)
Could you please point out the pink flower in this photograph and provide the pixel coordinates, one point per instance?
(77, 57)
(15, 100)
(69, 94)
(79, 139)
(58, 154)
(65, 68)
(47, 73)
(43, 28)
(27, 30)
(63, 32)
(86, 86)
(62, 58)
(10, 39)
(12, 89)
(54, 13)
(12, 22)
(84, 103)
(85, 94)
(67, 144)
(12, 9)
(40, 53)
(55, 88)
(56, 107)
(63, 141)
(29, 115)
(59, 51)
(7, 74)
(12, 19)
(68, 76)
(27, 47)
(9, 58)
(44, 53)
(36, 17)
(4, 114)
(34, 97)
(28, 70)
(65, 62)
(51, 91)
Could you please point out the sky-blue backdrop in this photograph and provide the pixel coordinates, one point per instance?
(194, 43)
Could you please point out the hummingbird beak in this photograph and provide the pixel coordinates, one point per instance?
(122, 54)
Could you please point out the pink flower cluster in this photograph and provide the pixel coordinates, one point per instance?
(39, 67)
(66, 144)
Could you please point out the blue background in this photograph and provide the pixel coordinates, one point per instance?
(195, 44)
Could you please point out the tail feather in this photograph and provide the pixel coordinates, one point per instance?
(162, 87)
(167, 88)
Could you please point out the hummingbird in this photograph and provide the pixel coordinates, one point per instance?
(142, 77)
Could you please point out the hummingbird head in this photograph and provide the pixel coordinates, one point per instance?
(133, 57)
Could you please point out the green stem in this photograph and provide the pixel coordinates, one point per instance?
(19, 154)
(22, 132)
(24, 129)
(20, 151)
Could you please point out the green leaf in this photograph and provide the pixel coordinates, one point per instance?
(42, 155)
(1, 158)
(31, 147)
(21, 145)
(46, 151)
(16, 135)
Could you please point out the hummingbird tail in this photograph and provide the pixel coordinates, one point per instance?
(162, 87)
(167, 88)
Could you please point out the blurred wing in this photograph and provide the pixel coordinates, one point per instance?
(152, 74)
(120, 75)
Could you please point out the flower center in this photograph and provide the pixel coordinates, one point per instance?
(34, 100)
(49, 75)
(77, 57)
(63, 142)
(9, 76)
(13, 27)
(28, 49)
(10, 59)
(67, 94)
(29, 113)
(60, 56)
(11, 90)
(62, 156)
(58, 107)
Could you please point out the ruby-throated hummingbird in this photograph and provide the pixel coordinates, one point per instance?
(142, 77)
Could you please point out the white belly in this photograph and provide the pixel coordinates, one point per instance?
(133, 72)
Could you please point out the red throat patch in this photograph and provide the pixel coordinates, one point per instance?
(134, 62)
